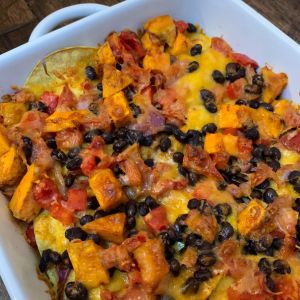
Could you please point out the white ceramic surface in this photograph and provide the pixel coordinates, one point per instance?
(240, 25)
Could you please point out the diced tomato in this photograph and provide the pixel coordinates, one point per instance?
(235, 89)
(157, 220)
(244, 147)
(66, 97)
(232, 131)
(131, 43)
(221, 46)
(181, 26)
(51, 100)
(45, 192)
(220, 159)
(235, 295)
(30, 236)
(244, 60)
(62, 214)
(87, 85)
(88, 164)
(77, 199)
(291, 141)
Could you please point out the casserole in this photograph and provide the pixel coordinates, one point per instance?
(207, 13)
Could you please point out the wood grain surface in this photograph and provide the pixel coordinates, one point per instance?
(19, 17)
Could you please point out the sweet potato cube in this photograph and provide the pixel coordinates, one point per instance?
(157, 61)
(118, 109)
(11, 167)
(213, 143)
(152, 263)
(12, 112)
(107, 189)
(181, 44)
(113, 80)
(230, 116)
(22, 204)
(61, 120)
(86, 261)
(250, 218)
(150, 42)
(4, 142)
(163, 27)
(230, 143)
(274, 84)
(110, 228)
(105, 55)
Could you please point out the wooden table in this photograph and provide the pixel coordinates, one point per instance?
(19, 17)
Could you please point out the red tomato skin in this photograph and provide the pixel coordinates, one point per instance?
(51, 100)
(244, 60)
(181, 26)
(156, 220)
(62, 214)
(88, 164)
(77, 199)
(221, 46)
(291, 143)
(30, 236)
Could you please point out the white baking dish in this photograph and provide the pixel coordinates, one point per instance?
(241, 26)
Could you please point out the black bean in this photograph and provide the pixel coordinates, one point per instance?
(143, 209)
(211, 107)
(194, 137)
(100, 89)
(277, 243)
(76, 291)
(92, 203)
(296, 205)
(130, 223)
(191, 28)
(253, 89)
(59, 155)
(258, 151)
(241, 102)
(207, 259)
(257, 194)
(258, 80)
(251, 133)
(27, 147)
(38, 105)
(51, 143)
(207, 95)
(118, 66)
(280, 266)
(149, 162)
(94, 108)
(193, 178)
(75, 233)
(209, 128)
(129, 93)
(269, 195)
(73, 152)
(88, 136)
(191, 286)
(192, 239)
(69, 180)
(193, 66)
(180, 136)
(74, 163)
(270, 284)
(275, 153)
(196, 50)
(222, 185)
(164, 297)
(117, 170)
(273, 164)
(265, 184)
(225, 232)
(223, 209)
(193, 203)
(107, 137)
(120, 145)
(204, 207)
(90, 73)
(164, 144)
(99, 214)
(169, 253)
(179, 224)
(131, 232)
(165, 238)
(94, 237)
(254, 104)
(146, 141)
(136, 110)
(250, 247)
(294, 177)
(49, 257)
(234, 71)
(150, 202)
(202, 274)
(172, 235)
(134, 136)
(175, 267)
(265, 266)
(86, 219)
(218, 76)
(267, 106)
(182, 170)
(178, 157)
(131, 209)
(66, 259)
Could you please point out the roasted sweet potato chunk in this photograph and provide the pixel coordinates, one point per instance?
(110, 228)
(12, 112)
(86, 261)
(22, 204)
(107, 189)
(152, 263)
